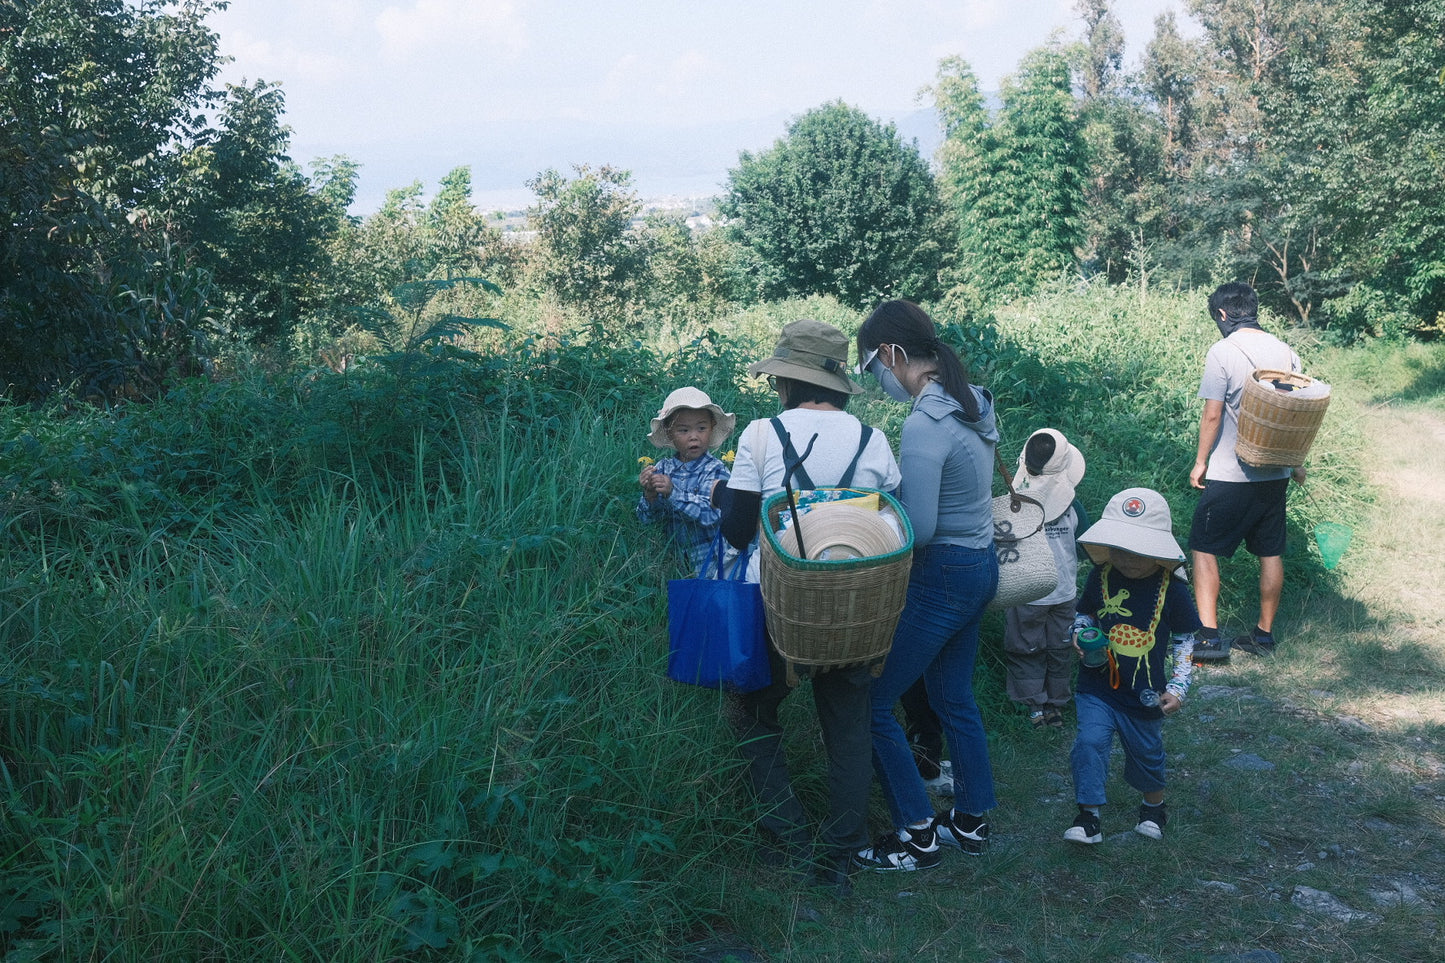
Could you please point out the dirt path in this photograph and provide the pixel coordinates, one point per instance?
(1404, 541)
(1395, 568)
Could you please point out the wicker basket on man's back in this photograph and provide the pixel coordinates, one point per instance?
(836, 602)
(1279, 414)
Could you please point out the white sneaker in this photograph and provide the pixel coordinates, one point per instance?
(943, 782)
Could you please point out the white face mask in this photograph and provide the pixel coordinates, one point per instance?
(887, 380)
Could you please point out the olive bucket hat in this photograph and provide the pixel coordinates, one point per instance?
(813, 352)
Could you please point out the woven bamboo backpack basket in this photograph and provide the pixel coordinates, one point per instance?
(831, 612)
(1278, 425)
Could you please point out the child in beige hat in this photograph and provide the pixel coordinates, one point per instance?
(677, 489)
(1137, 597)
(1038, 652)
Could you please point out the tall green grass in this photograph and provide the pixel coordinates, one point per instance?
(369, 666)
(381, 697)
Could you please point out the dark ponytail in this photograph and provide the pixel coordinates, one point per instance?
(907, 325)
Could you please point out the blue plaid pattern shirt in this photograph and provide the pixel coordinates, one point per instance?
(691, 520)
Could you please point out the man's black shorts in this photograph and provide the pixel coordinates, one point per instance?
(1232, 512)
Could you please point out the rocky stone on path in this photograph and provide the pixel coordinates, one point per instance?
(1398, 893)
(1353, 724)
(1249, 762)
(1321, 903)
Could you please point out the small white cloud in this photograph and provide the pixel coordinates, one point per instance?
(426, 26)
(945, 15)
(258, 59)
(689, 81)
(310, 43)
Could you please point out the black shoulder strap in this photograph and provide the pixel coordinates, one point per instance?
(800, 474)
(790, 454)
(847, 480)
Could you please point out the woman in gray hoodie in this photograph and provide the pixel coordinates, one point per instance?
(947, 459)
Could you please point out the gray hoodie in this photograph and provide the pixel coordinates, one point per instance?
(948, 465)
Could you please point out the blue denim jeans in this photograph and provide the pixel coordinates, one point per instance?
(1142, 739)
(937, 638)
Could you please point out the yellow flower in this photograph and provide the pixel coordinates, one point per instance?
(644, 461)
(727, 458)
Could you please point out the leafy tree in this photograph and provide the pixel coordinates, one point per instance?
(588, 256)
(1248, 159)
(840, 205)
(394, 271)
(252, 216)
(1016, 183)
(334, 181)
(1170, 77)
(131, 222)
(1102, 49)
(78, 242)
(1372, 126)
(457, 231)
(1124, 195)
(675, 269)
(967, 159)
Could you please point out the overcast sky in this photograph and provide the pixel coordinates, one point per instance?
(670, 89)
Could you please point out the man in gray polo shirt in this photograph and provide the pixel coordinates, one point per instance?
(1239, 503)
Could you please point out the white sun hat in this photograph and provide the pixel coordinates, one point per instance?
(1057, 477)
(697, 399)
(1137, 520)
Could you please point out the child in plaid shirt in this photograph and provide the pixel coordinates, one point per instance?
(677, 490)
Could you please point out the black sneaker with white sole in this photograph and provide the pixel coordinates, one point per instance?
(1151, 821)
(968, 833)
(1085, 829)
(889, 853)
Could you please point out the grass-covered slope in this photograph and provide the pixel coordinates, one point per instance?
(369, 666)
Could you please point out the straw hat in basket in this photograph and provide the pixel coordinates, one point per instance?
(840, 531)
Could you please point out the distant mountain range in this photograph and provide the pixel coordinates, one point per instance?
(666, 161)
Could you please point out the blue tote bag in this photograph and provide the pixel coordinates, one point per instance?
(715, 628)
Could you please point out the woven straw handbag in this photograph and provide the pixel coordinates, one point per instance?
(1026, 568)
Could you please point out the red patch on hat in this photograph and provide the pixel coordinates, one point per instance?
(1133, 506)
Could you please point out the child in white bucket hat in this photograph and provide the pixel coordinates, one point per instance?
(677, 489)
(1038, 650)
(1137, 595)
